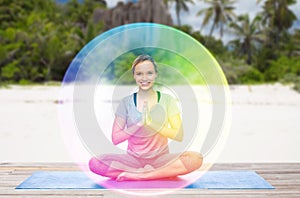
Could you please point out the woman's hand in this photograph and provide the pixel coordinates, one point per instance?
(146, 114)
(174, 131)
(120, 133)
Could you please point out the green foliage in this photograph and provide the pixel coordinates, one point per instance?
(281, 67)
(39, 39)
(248, 36)
(297, 85)
(277, 15)
(252, 76)
(172, 68)
(10, 71)
(293, 79)
(122, 68)
(179, 6)
(219, 12)
(24, 82)
(215, 46)
(237, 72)
(290, 78)
(293, 75)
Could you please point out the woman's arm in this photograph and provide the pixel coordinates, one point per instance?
(119, 133)
(175, 131)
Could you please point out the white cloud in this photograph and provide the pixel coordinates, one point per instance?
(112, 3)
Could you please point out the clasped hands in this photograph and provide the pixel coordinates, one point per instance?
(147, 121)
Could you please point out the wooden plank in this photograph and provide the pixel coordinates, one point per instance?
(222, 166)
(205, 193)
(186, 192)
(281, 176)
(285, 177)
(257, 166)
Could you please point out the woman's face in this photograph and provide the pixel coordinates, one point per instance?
(144, 75)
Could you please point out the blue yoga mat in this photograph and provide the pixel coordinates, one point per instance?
(210, 180)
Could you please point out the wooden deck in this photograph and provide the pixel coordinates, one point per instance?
(285, 177)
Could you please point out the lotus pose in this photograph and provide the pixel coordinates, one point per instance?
(146, 119)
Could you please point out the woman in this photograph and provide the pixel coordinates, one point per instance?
(146, 120)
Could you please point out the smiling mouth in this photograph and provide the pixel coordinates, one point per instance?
(145, 83)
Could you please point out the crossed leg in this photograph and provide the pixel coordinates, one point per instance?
(186, 162)
(112, 165)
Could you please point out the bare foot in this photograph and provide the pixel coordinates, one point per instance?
(148, 167)
(140, 175)
(125, 176)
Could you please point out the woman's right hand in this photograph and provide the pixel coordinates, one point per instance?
(119, 131)
(144, 130)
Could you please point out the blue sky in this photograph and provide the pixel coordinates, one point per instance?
(242, 7)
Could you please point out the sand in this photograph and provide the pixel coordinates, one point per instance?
(265, 125)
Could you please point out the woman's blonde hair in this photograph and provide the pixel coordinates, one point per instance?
(142, 58)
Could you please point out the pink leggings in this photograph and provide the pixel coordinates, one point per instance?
(102, 165)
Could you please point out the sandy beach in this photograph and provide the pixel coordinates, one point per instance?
(265, 125)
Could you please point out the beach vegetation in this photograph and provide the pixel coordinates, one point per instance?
(219, 13)
(179, 6)
(40, 38)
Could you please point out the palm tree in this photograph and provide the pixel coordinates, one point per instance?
(277, 16)
(179, 5)
(220, 11)
(291, 46)
(296, 39)
(248, 33)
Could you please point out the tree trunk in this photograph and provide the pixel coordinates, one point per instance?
(212, 29)
(249, 54)
(178, 18)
